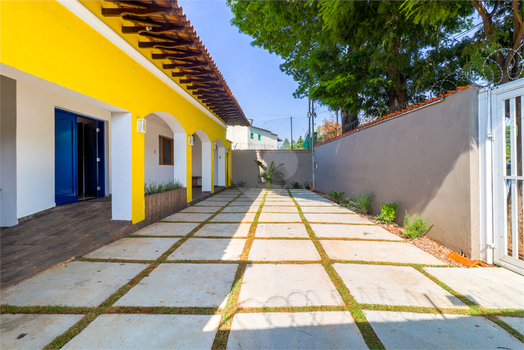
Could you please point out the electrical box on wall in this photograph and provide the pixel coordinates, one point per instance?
(141, 125)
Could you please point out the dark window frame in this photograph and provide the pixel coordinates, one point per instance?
(161, 150)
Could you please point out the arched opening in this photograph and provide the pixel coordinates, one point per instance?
(220, 163)
(165, 149)
(201, 162)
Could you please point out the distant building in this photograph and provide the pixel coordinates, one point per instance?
(251, 137)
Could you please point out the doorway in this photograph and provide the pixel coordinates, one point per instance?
(79, 157)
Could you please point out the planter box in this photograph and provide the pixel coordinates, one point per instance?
(160, 205)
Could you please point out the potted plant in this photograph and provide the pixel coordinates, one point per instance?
(307, 186)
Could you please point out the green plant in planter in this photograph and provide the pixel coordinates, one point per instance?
(295, 184)
(241, 183)
(336, 195)
(388, 213)
(306, 185)
(269, 174)
(415, 227)
(154, 187)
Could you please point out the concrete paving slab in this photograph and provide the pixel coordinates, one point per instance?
(394, 285)
(209, 249)
(167, 229)
(279, 209)
(283, 250)
(353, 231)
(194, 209)
(326, 209)
(189, 217)
(280, 204)
(277, 217)
(33, 331)
(183, 285)
(299, 330)
(219, 199)
(224, 230)
(77, 283)
(378, 251)
(517, 323)
(406, 330)
(287, 285)
(337, 218)
(244, 203)
(489, 287)
(234, 217)
(147, 332)
(316, 204)
(212, 203)
(241, 209)
(134, 249)
(281, 230)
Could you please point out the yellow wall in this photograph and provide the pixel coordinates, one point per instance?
(56, 45)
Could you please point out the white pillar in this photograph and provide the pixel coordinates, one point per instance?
(121, 128)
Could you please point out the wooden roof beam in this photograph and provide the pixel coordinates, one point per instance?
(117, 12)
(172, 55)
(168, 45)
(185, 65)
(199, 80)
(194, 74)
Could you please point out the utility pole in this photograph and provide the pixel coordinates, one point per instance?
(336, 130)
(313, 143)
(291, 119)
(310, 144)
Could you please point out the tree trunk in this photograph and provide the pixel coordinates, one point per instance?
(398, 94)
(348, 121)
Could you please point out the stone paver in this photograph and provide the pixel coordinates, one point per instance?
(328, 209)
(212, 203)
(279, 209)
(241, 209)
(488, 287)
(134, 249)
(353, 231)
(398, 252)
(209, 249)
(405, 330)
(287, 285)
(183, 285)
(337, 218)
(148, 332)
(316, 204)
(224, 230)
(194, 209)
(280, 204)
(517, 323)
(281, 230)
(77, 283)
(189, 217)
(394, 285)
(167, 229)
(301, 330)
(234, 217)
(33, 331)
(283, 250)
(277, 217)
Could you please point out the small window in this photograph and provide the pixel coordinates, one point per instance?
(166, 150)
(259, 137)
(252, 136)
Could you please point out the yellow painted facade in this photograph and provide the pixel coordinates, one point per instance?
(45, 39)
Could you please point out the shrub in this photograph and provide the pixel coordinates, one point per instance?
(295, 184)
(306, 185)
(241, 183)
(388, 213)
(363, 203)
(348, 203)
(270, 174)
(154, 187)
(336, 195)
(415, 227)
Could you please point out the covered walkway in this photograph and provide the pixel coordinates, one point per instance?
(254, 269)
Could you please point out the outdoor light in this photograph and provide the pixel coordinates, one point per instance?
(191, 140)
(227, 150)
(141, 125)
(214, 145)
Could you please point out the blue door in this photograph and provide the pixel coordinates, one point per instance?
(66, 158)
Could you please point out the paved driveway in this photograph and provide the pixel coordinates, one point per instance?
(264, 270)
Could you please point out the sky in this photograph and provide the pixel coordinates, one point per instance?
(264, 93)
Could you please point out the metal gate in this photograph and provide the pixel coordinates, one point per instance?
(503, 148)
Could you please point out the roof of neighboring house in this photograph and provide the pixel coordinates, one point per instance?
(166, 30)
(408, 109)
(272, 133)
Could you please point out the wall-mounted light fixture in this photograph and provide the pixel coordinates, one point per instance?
(191, 140)
(227, 150)
(141, 125)
(214, 145)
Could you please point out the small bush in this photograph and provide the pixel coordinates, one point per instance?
(241, 184)
(154, 187)
(295, 184)
(415, 227)
(363, 203)
(306, 185)
(348, 203)
(336, 195)
(388, 213)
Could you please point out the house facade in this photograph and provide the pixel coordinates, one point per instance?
(101, 98)
(251, 137)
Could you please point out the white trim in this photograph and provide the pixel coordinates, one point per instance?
(94, 22)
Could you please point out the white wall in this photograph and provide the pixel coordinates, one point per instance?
(154, 172)
(36, 144)
(240, 136)
(197, 157)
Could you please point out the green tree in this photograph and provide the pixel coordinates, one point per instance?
(285, 144)
(299, 144)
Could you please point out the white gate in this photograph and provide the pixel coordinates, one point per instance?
(501, 140)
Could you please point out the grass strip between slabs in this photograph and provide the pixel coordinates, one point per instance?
(107, 305)
(222, 335)
(369, 335)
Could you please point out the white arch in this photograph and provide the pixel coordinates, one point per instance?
(206, 160)
(220, 163)
(179, 146)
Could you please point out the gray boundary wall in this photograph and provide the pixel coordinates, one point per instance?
(297, 166)
(425, 160)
